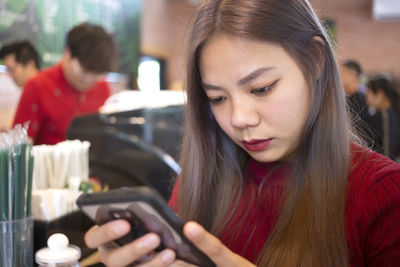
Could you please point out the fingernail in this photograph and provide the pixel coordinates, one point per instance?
(168, 256)
(120, 228)
(194, 229)
(150, 241)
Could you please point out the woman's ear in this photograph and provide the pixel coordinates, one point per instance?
(317, 49)
(319, 39)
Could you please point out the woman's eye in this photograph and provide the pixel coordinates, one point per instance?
(216, 100)
(263, 90)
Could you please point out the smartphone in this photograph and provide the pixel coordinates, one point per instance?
(146, 211)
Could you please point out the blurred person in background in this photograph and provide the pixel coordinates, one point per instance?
(74, 87)
(351, 71)
(22, 61)
(382, 96)
(363, 122)
(9, 97)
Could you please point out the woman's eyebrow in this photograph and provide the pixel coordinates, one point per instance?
(253, 75)
(248, 78)
(207, 86)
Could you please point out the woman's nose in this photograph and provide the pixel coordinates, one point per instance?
(244, 114)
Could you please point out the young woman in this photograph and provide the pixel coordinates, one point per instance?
(269, 166)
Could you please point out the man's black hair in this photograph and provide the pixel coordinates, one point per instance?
(380, 83)
(353, 65)
(93, 47)
(24, 52)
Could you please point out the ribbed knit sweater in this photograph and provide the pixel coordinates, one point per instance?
(372, 212)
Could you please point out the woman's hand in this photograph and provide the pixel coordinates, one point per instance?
(101, 237)
(212, 247)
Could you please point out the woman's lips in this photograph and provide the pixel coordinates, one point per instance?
(255, 145)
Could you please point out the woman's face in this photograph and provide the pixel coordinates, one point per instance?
(257, 93)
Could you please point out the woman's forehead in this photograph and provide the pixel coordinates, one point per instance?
(227, 53)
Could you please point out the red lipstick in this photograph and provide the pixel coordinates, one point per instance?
(256, 145)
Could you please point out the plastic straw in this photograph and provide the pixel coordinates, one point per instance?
(29, 186)
(16, 182)
(3, 185)
(9, 185)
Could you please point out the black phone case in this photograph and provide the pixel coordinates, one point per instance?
(130, 203)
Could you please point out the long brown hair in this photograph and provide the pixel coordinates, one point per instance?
(310, 230)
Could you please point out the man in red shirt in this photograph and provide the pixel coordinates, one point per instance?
(23, 63)
(69, 89)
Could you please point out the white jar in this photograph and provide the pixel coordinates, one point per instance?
(58, 253)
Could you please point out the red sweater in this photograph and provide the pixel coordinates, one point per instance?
(50, 104)
(372, 214)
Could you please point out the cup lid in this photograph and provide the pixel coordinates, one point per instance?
(58, 251)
